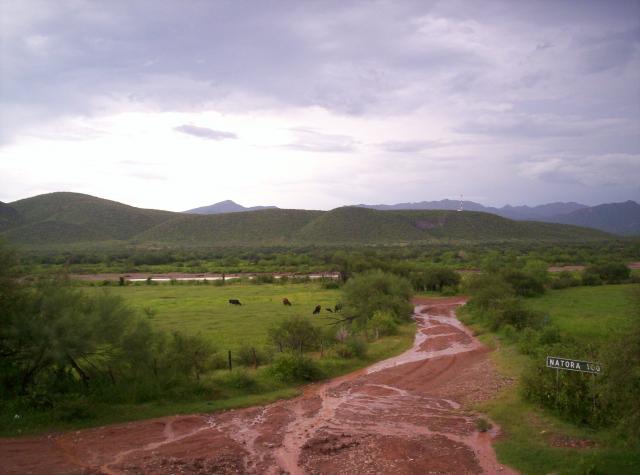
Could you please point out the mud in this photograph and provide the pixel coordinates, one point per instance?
(405, 415)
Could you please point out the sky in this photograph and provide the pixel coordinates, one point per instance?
(320, 104)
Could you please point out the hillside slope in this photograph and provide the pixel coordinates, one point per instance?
(269, 227)
(9, 216)
(354, 224)
(69, 217)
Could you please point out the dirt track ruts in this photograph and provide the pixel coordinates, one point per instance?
(405, 415)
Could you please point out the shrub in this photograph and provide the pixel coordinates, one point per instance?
(525, 285)
(483, 425)
(611, 273)
(292, 367)
(251, 356)
(377, 291)
(295, 333)
(564, 280)
(382, 323)
(241, 379)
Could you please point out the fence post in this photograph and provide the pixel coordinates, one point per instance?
(230, 367)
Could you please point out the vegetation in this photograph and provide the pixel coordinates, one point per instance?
(595, 324)
(59, 218)
(74, 356)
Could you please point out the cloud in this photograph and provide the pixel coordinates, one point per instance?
(205, 133)
(309, 140)
(409, 146)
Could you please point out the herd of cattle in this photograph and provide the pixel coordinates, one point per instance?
(287, 303)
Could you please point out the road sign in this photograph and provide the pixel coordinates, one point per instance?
(573, 365)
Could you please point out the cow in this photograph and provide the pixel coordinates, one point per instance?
(286, 302)
(234, 302)
(337, 308)
(329, 310)
(316, 310)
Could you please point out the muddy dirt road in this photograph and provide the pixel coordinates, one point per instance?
(405, 415)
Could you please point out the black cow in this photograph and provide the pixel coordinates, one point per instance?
(286, 302)
(329, 310)
(234, 302)
(337, 308)
(316, 310)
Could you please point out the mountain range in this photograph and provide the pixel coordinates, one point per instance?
(226, 206)
(616, 218)
(59, 219)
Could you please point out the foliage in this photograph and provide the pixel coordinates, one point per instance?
(382, 324)
(375, 291)
(610, 273)
(295, 333)
(290, 366)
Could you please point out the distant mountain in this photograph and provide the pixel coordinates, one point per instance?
(616, 218)
(536, 213)
(226, 206)
(619, 218)
(451, 205)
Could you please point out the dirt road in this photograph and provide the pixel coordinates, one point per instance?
(405, 415)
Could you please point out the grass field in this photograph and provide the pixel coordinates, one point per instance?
(589, 314)
(205, 309)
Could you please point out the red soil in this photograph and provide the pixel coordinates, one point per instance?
(406, 415)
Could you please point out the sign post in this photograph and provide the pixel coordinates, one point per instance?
(574, 365)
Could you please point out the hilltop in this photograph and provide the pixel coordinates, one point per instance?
(226, 206)
(65, 218)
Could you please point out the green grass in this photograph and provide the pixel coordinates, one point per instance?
(590, 314)
(205, 308)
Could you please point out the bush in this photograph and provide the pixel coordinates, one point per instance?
(611, 273)
(291, 367)
(241, 379)
(382, 324)
(525, 285)
(377, 291)
(74, 410)
(564, 280)
(251, 356)
(295, 333)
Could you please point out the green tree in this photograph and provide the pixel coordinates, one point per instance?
(375, 291)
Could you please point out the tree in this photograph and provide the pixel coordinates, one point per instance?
(375, 291)
(294, 333)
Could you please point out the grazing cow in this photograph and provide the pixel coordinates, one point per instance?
(286, 302)
(234, 302)
(337, 308)
(316, 310)
(329, 310)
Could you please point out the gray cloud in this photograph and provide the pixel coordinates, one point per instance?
(542, 78)
(309, 140)
(205, 133)
(410, 146)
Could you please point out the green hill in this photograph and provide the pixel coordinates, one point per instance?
(9, 217)
(66, 218)
(270, 226)
(354, 224)
(69, 217)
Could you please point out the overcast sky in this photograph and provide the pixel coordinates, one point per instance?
(317, 104)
